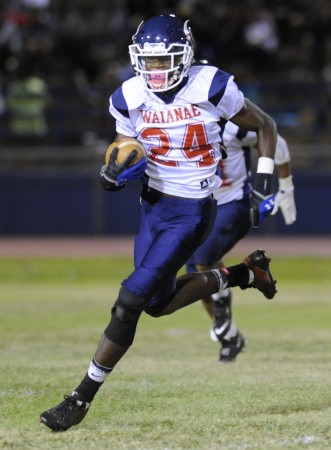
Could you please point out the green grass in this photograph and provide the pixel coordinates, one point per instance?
(169, 391)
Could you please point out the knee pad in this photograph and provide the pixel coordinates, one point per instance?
(130, 300)
(124, 318)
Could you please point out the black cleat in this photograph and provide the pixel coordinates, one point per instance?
(68, 413)
(230, 349)
(258, 262)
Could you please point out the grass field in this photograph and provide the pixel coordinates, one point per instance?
(169, 391)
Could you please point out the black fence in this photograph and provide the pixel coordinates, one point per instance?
(50, 186)
(64, 202)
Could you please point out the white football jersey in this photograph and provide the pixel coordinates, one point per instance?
(236, 172)
(181, 132)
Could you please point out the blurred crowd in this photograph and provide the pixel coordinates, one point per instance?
(50, 48)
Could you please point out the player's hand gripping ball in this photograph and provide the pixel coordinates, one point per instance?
(125, 160)
(125, 147)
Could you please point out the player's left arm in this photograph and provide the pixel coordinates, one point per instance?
(284, 199)
(252, 118)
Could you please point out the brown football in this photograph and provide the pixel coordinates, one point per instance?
(125, 147)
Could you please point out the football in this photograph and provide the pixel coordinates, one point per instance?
(125, 147)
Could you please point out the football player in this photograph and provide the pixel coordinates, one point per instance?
(178, 111)
(232, 223)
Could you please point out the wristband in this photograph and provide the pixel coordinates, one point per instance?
(286, 184)
(265, 165)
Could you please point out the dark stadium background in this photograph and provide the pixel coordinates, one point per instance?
(279, 52)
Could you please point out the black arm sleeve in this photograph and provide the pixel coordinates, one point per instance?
(263, 183)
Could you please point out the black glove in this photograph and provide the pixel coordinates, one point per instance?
(115, 175)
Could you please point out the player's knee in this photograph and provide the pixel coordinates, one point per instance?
(124, 318)
(128, 306)
(130, 300)
(125, 314)
(122, 326)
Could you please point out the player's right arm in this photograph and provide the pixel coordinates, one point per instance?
(114, 175)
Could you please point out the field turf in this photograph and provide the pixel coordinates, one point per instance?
(169, 391)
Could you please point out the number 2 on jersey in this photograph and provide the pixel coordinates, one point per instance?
(194, 145)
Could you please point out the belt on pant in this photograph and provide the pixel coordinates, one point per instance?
(152, 196)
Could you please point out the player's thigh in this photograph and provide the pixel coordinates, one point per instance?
(175, 228)
(231, 224)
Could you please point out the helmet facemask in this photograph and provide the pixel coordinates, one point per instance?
(162, 65)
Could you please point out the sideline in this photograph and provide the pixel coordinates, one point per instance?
(123, 246)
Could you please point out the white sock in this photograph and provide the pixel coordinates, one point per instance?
(97, 372)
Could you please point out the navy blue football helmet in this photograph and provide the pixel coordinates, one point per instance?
(162, 52)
